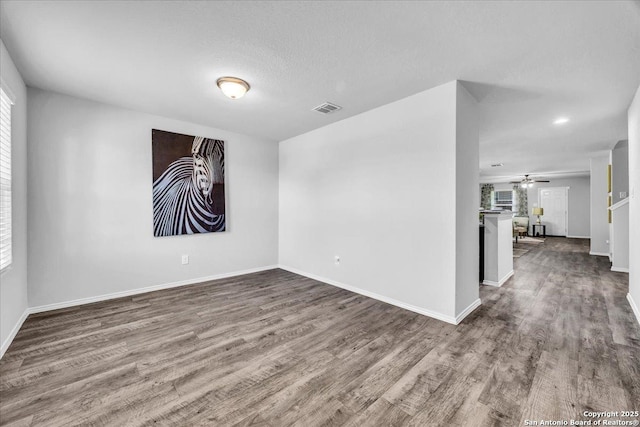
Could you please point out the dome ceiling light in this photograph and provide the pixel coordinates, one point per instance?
(233, 87)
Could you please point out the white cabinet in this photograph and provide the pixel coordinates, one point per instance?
(498, 248)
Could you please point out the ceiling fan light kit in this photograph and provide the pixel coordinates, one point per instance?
(528, 182)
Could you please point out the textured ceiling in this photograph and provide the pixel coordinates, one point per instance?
(526, 63)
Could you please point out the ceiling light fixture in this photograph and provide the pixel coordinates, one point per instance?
(528, 182)
(233, 87)
(561, 121)
(497, 165)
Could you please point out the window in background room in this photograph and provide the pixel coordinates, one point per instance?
(5, 178)
(503, 200)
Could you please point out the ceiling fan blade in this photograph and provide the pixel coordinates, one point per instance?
(540, 180)
(515, 182)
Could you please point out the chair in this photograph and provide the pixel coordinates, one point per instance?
(520, 226)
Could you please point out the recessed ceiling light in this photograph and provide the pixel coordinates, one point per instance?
(233, 87)
(561, 121)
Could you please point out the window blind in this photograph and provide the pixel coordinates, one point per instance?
(5, 179)
(502, 199)
(504, 196)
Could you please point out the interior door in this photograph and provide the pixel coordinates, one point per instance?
(554, 203)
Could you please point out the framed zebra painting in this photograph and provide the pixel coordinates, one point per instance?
(188, 184)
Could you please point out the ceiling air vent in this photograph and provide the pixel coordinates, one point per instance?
(327, 108)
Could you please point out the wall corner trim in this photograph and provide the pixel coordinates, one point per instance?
(499, 283)
(400, 304)
(7, 342)
(634, 307)
(598, 253)
(467, 311)
(620, 269)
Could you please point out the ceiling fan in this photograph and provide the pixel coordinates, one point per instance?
(528, 182)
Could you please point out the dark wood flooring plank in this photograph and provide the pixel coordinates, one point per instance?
(380, 413)
(50, 403)
(23, 422)
(597, 396)
(554, 390)
(629, 365)
(277, 349)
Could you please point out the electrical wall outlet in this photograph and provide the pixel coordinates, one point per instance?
(185, 259)
(336, 259)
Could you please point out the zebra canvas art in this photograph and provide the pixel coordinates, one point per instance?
(188, 184)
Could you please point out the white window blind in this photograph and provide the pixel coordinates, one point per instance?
(503, 200)
(5, 179)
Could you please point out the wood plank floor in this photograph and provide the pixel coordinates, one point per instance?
(277, 349)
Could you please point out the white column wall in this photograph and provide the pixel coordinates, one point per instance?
(599, 224)
(379, 190)
(634, 204)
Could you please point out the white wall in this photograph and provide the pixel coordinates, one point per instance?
(90, 206)
(579, 224)
(579, 202)
(634, 202)
(379, 190)
(620, 171)
(13, 281)
(599, 224)
(467, 199)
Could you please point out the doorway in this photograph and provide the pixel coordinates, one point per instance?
(554, 201)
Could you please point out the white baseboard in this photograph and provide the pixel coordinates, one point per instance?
(578, 237)
(620, 269)
(499, 283)
(634, 307)
(7, 342)
(105, 297)
(65, 304)
(598, 253)
(467, 311)
(415, 309)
